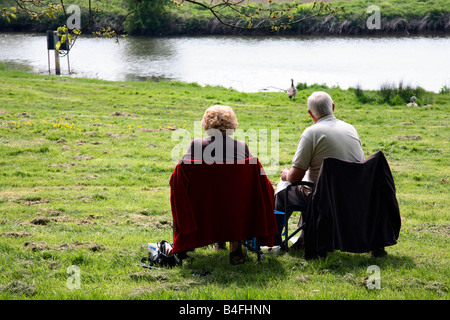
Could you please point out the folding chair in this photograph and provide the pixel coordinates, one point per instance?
(299, 208)
(222, 202)
(353, 208)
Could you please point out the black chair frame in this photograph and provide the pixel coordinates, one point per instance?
(302, 209)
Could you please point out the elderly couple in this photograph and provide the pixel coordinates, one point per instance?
(328, 137)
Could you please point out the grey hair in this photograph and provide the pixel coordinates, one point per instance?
(320, 104)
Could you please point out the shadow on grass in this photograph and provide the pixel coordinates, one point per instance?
(213, 266)
(339, 262)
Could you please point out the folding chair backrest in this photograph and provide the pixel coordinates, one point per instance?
(213, 202)
(353, 208)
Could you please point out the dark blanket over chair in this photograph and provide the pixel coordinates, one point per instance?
(353, 208)
(221, 202)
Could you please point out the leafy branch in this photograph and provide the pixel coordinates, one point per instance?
(258, 16)
(238, 14)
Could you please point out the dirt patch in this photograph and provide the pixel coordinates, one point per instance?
(435, 286)
(25, 115)
(41, 221)
(119, 135)
(93, 246)
(149, 276)
(149, 130)
(52, 212)
(86, 221)
(170, 128)
(140, 291)
(89, 176)
(36, 246)
(441, 229)
(303, 278)
(160, 222)
(402, 164)
(19, 288)
(29, 201)
(408, 137)
(83, 156)
(92, 133)
(40, 246)
(122, 114)
(16, 234)
(62, 165)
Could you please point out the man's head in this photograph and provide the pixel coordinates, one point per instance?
(320, 104)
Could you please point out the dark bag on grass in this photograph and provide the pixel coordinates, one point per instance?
(162, 256)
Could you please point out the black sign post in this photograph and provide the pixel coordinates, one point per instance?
(52, 40)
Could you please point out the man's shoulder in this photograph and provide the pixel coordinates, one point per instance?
(332, 122)
(327, 127)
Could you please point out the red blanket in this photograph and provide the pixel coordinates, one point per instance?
(221, 202)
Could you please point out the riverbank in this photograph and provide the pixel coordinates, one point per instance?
(400, 17)
(85, 166)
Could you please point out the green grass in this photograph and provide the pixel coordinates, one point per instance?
(84, 172)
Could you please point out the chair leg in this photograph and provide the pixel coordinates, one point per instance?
(253, 248)
(285, 243)
(287, 237)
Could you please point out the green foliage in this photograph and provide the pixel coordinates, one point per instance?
(151, 16)
(301, 86)
(444, 90)
(164, 17)
(393, 94)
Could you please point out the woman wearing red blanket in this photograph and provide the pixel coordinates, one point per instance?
(219, 122)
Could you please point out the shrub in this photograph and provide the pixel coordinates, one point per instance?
(397, 100)
(301, 86)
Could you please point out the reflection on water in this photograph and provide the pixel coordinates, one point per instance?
(247, 64)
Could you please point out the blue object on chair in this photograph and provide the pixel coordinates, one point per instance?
(279, 216)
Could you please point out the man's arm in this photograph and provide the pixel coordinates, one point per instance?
(293, 175)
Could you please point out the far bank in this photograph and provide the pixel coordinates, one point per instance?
(399, 17)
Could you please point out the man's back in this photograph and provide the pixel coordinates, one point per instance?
(329, 137)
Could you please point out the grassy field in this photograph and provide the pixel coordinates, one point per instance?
(84, 181)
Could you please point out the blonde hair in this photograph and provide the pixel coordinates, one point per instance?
(221, 118)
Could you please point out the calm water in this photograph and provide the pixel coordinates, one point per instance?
(246, 64)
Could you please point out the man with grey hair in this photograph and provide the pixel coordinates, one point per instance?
(328, 137)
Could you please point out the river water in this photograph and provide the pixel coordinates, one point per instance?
(247, 64)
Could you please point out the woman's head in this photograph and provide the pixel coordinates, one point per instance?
(220, 118)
